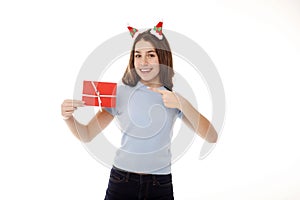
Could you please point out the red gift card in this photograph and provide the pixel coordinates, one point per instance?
(105, 92)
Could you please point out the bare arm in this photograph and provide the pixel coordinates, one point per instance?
(191, 117)
(84, 133)
(197, 122)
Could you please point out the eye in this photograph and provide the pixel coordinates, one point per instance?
(152, 55)
(137, 55)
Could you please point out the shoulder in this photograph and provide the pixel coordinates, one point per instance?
(121, 87)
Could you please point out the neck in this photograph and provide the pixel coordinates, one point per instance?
(151, 84)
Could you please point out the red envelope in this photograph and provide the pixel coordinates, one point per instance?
(104, 91)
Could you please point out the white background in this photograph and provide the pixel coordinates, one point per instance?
(255, 46)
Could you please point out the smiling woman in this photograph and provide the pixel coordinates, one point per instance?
(146, 110)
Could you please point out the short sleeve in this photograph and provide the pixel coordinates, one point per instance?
(112, 111)
(179, 114)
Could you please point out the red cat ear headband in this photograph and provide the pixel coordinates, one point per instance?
(156, 31)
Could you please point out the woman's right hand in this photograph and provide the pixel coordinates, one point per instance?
(69, 106)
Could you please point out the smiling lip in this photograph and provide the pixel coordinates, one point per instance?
(145, 70)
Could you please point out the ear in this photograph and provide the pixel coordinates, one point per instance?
(157, 30)
(133, 32)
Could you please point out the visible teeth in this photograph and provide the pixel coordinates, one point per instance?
(145, 70)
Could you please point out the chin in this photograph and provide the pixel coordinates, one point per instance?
(148, 79)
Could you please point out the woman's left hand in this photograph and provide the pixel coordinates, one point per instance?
(170, 99)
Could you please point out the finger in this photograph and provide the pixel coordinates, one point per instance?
(69, 108)
(156, 90)
(78, 104)
(67, 114)
(74, 103)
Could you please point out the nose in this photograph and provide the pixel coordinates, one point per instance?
(144, 61)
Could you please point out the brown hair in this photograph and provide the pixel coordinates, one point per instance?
(164, 54)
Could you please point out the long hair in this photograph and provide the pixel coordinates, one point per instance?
(165, 60)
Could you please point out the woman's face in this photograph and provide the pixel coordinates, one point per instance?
(146, 62)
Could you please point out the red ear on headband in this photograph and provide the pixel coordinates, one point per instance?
(133, 32)
(156, 31)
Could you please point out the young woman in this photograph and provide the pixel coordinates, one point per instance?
(146, 111)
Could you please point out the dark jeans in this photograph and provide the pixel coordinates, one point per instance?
(131, 186)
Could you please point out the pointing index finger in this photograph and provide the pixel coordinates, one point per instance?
(156, 90)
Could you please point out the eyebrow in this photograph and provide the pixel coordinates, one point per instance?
(150, 51)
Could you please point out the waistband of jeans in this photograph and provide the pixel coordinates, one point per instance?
(138, 176)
